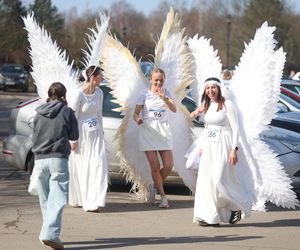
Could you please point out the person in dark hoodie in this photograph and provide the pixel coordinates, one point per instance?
(54, 125)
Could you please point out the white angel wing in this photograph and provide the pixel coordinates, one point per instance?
(92, 56)
(49, 63)
(256, 86)
(127, 81)
(172, 55)
(207, 64)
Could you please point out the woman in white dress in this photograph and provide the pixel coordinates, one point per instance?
(220, 196)
(88, 161)
(154, 132)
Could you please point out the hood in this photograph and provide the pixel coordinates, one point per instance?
(50, 109)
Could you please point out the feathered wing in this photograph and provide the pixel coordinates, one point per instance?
(127, 81)
(95, 43)
(49, 62)
(207, 64)
(172, 55)
(256, 86)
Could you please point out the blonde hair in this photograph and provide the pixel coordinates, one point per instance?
(157, 70)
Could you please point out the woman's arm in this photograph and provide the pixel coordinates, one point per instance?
(74, 104)
(165, 95)
(233, 121)
(197, 112)
(170, 103)
(136, 114)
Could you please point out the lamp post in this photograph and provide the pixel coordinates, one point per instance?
(228, 21)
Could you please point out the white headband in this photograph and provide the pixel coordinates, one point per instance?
(214, 82)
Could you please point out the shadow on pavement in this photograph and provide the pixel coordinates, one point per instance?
(275, 223)
(111, 243)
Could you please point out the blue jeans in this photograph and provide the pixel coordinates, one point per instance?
(53, 184)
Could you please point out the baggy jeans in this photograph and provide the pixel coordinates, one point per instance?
(52, 185)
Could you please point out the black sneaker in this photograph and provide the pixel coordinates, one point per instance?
(203, 223)
(235, 217)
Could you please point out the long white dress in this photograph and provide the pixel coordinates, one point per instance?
(219, 190)
(88, 164)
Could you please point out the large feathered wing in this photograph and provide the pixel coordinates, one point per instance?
(256, 86)
(127, 81)
(95, 42)
(207, 64)
(173, 57)
(49, 62)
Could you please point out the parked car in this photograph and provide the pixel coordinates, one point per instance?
(16, 77)
(17, 147)
(288, 120)
(289, 104)
(2, 81)
(292, 85)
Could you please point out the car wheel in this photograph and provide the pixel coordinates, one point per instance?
(30, 162)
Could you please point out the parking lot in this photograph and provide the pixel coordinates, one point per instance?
(128, 223)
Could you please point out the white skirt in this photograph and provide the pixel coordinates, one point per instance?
(219, 190)
(155, 135)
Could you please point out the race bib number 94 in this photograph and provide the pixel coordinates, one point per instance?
(157, 114)
(213, 134)
(91, 124)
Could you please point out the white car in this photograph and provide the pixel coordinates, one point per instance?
(17, 147)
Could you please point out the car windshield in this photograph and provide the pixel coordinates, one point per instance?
(11, 69)
(147, 67)
(109, 107)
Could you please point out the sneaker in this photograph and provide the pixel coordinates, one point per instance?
(203, 223)
(151, 194)
(96, 210)
(53, 244)
(235, 217)
(164, 202)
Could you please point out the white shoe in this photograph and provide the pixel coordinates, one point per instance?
(164, 202)
(151, 194)
(53, 244)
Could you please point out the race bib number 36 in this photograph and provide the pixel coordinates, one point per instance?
(157, 114)
(91, 124)
(213, 134)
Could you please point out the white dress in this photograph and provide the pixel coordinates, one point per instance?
(154, 132)
(219, 190)
(88, 164)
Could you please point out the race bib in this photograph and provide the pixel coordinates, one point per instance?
(91, 124)
(157, 114)
(213, 134)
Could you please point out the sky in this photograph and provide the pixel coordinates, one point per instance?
(145, 6)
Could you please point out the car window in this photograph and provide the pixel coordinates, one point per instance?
(147, 67)
(288, 99)
(191, 106)
(293, 88)
(108, 105)
(12, 69)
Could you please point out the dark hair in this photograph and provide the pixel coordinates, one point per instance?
(90, 71)
(57, 91)
(206, 99)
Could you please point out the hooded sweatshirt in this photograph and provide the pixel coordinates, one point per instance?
(54, 125)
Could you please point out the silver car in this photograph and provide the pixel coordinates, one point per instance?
(17, 147)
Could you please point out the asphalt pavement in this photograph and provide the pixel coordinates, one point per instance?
(128, 223)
